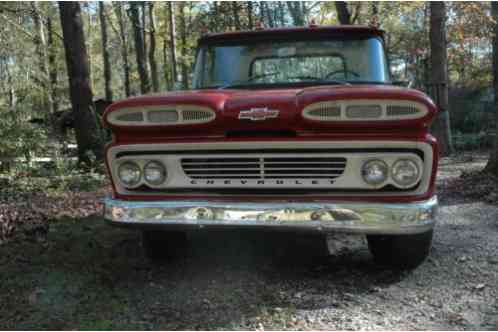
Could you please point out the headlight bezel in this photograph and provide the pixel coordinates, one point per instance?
(138, 168)
(407, 184)
(383, 164)
(389, 165)
(164, 173)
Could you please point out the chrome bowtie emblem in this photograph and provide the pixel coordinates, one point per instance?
(258, 114)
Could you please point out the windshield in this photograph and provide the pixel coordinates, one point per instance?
(287, 62)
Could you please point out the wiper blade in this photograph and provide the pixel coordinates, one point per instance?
(231, 85)
(339, 82)
(249, 83)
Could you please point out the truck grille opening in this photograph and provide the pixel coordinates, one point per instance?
(264, 167)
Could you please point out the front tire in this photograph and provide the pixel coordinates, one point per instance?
(400, 251)
(163, 244)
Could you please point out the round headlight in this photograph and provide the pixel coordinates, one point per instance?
(154, 173)
(374, 172)
(129, 173)
(405, 172)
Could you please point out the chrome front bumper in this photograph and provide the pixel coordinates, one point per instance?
(357, 217)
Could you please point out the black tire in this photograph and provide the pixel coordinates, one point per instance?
(400, 251)
(164, 244)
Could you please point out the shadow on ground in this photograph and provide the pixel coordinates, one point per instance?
(88, 275)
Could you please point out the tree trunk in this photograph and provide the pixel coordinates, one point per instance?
(86, 127)
(439, 72)
(143, 24)
(235, 13)
(492, 165)
(213, 17)
(296, 12)
(88, 16)
(105, 52)
(265, 12)
(52, 65)
(124, 47)
(152, 49)
(41, 50)
(11, 93)
(172, 41)
(271, 21)
(281, 13)
(342, 12)
(183, 49)
(355, 19)
(167, 74)
(139, 48)
(374, 20)
(249, 15)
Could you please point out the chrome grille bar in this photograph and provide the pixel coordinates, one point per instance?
(284, 167)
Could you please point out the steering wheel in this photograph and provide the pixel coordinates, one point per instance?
(342, 71)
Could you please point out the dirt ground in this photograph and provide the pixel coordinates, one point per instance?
(87, 275)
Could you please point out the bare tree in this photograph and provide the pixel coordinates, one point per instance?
(264, 10)
(439, 85)
(297, 11)
(492, 165)
(143, 23)
(281, 13)
(167, 74)
(52, 65)
(86, 127)
(105, 52)
(139, 47)
(172, 40)
(342, 12)
(152, 49)
(11, 91)
(183, 48)
(374, 20)
(124, 47)
(235, 13)
(250, 23)
(41, 49)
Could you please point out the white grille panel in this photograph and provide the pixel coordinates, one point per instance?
(281, 169)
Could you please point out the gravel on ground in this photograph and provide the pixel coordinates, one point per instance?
(88, 275)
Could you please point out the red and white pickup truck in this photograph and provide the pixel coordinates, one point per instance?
(297, 129)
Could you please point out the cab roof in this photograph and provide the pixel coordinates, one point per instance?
(296, 32)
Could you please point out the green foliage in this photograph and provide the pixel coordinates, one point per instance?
(19, 138)
(57, 176)
(23, 82)
(14, 185)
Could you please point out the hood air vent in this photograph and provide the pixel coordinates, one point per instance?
(365, 110)
(162, 115)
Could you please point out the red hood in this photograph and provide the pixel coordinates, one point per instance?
(290, 102)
